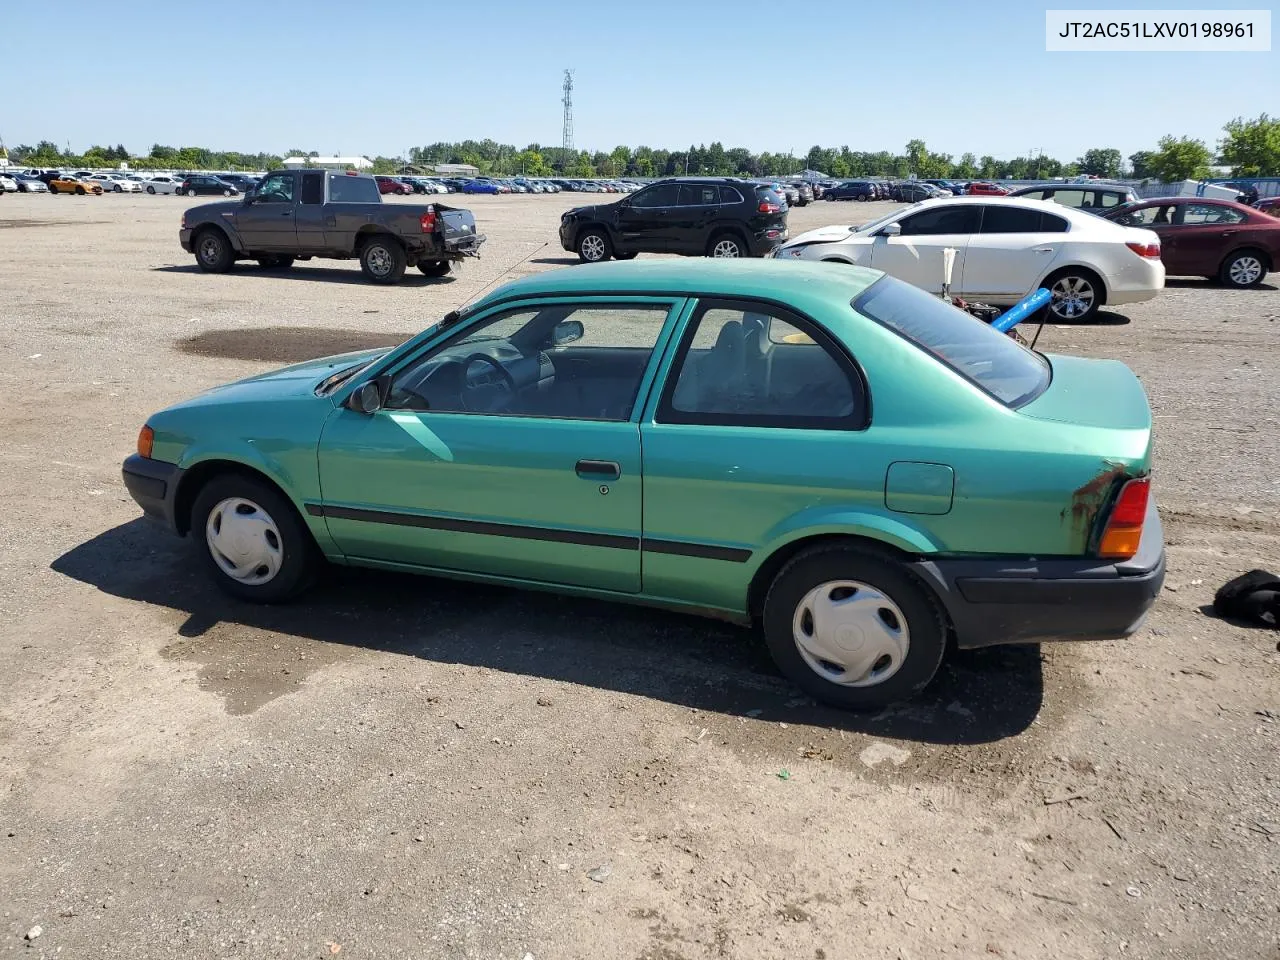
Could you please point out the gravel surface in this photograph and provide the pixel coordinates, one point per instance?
(403, 767)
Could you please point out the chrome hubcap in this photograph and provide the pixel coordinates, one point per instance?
(851, 633)
(244, 541)
(379, 260)
(1072, 297)
(725, 248)
(592, 248)
(1245, 271)
(209, 250)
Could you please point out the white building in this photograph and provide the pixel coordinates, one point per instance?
(329, 163)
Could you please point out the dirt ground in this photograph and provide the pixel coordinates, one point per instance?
(402, 767)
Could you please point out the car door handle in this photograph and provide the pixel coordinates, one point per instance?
(1228, 233)
(287, 213)
(598, 470)
(1043, 250)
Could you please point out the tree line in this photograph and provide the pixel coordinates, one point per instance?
(1250, 147)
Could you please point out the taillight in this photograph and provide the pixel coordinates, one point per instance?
(428, 220)
(1148, 250)
(1124, 527)
(767, 206)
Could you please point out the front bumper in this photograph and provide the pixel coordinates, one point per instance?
(1006, 601)
(566, 235)
(153, 484)
(184, 238)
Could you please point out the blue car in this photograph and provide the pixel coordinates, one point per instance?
(957, 189)
(479, 186)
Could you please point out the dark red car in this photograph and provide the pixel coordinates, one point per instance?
(1199, 237)
(392, 185)
(1269, 205)
(980, 188)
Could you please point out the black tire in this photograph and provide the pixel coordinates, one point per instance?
(594, 246)
(720, 243)
(298, 556)
(1058, 311)
(213, 250)
(151, 190)
(925, 627)
(383, 260)
(829, 198)
(275, 263)
(79, 191)
(434, 268)
(625, 256)
(1243, 269)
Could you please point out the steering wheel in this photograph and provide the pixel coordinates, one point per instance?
(503, 391)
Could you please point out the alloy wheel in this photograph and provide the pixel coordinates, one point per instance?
(1072, 297)
(592, 248)
(1245, 271)
(726, 248)
(379, 261)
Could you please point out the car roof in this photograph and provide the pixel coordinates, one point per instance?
(1212, 201)
(789, 281)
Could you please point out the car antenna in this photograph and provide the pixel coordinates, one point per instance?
(454, 315)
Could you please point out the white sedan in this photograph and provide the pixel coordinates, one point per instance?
(116, 183)
(1005, 248)
(162, 183)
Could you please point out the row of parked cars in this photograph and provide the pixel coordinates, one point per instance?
(84, 182)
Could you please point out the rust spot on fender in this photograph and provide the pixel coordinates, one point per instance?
(1090, 497)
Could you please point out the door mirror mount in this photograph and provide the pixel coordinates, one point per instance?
(891, 230)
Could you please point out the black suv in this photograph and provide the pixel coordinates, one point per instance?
(706, 216)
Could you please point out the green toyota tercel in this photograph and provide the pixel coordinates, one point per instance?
(854, 464)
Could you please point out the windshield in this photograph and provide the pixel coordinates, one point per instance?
(993, 361)
(877, 224)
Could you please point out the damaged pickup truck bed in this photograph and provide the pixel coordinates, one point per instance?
(300, 214)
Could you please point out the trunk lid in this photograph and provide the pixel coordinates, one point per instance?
(1092, 393)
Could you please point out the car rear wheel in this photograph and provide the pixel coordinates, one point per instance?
(625, 256)
(434, 268)
(1077, 296)
(383, 260)
(726, 246)
(853, 627)
(593, 247)
(1242, 269)
(213, 251)
(252, 540)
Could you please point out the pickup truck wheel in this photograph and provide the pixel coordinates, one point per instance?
(382, 259)
(593, 247)
(435, 268)
(275, 263)
(853, 627)
(213, 251)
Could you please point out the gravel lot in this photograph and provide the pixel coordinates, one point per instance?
(400, 767)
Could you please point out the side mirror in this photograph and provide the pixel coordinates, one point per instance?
(567, 331)
(369, 397)
(891, 230)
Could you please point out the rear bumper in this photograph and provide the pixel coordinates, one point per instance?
(1008, 601)
(153, 484)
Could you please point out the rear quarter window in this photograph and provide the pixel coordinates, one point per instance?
(344, 189)
(995, 363)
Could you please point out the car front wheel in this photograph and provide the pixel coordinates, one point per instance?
(593, 247)
(252, 539)
(213, 251)
(1242, 269)
(151, 190)
(853, 628)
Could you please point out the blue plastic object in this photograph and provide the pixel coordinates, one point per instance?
(1021, 310)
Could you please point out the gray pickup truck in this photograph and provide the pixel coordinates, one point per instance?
(300, 214)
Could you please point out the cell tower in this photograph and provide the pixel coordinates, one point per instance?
(566, 140)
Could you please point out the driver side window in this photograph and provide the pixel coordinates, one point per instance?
(566, 361)
(276, 189)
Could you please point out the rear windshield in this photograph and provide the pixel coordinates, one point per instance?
(993, 361)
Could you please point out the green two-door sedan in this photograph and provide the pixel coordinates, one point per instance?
(854, 464)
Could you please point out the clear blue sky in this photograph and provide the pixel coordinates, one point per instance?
(333, 76)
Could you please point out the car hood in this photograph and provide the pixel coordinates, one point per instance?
(830, 234)
(213, 210)
(594, 210)
(296, 380)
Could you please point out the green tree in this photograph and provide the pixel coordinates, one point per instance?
(917, 156)
(1140, 164)
(1101, 162)
(1180, 158)
(967, 168)
(1252, 147)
